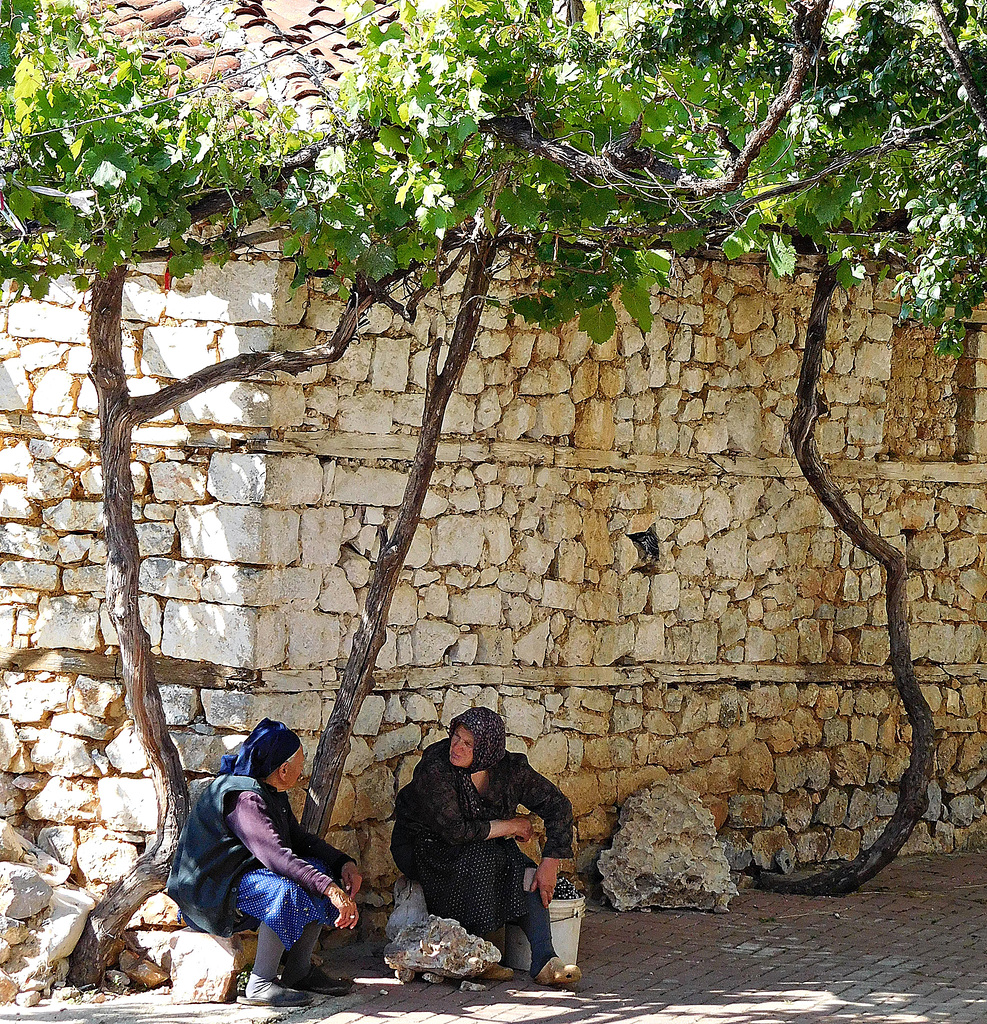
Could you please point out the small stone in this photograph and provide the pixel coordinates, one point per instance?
(142, 971)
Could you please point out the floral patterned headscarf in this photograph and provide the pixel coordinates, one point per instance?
(489, 736)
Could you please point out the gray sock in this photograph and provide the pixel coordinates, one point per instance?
(265, 969)
(299, 958)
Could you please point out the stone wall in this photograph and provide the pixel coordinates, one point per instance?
(748, 658)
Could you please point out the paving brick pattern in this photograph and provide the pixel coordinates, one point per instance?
(909, 948)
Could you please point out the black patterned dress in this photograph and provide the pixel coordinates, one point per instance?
(440, 836)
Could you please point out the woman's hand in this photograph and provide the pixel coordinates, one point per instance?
(348, 913)
(522, 828)
(351, 878)
(546, 875)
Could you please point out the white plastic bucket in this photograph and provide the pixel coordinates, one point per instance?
(566, 917)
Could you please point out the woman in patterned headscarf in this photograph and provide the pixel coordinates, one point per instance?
(243, 861)
(455, 831)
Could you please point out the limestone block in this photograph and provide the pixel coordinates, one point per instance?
(337, 594)
(239, 533)
(523, 717)
(29, 319)
(366, 414)
(243, 478)
(223, 634)
(204, 968)
(649, 639)
(48, 482)
(59, 754)
(727, 555)
(15, 391)
(59, 841)
(321, 535)
(536, 555)
(15, 462)
(128, 804)
(457, 540)
(31, 542)
(10, 747)
(247, 405)
(430, 640)
(239, 292)
(67, 622)
(181, 704)
(125, 752)
(398, 741)
(381, 488)
(497, 532)
(313, 638)
(75, 516)
(23, 891)
(176, 351)
(14, 502)
(481, 607)
(178, 481)
(150, 613)
(665, 853)
(29, 575)
(53, 393)
(168, 577)
(252, 585)
(60, 800)
(532, 646)
(105, 860)
(62, 928)
(549, 755)
(234, 709)
(678, 501)
(142, 300)
(236, 341)
(390, 363)
(440, 946)
(865, 426)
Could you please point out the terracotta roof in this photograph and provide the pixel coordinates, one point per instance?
(290, 51)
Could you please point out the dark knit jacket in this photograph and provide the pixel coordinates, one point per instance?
(211, 859)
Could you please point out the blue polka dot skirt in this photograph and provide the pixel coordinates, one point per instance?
(283, 905)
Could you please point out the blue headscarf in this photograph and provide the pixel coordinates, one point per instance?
(263, 751)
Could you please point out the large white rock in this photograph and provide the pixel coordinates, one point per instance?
(321, 534)
(239, 292)
(178, 481)
(204, 968)
(67, 622)
(128, 804)
(62, 929)
(69, 515)
(27, 319)
(247, 405)
(143, 299)
(176, 351)
(105, 860)
(457, 540)
(64, 801)
(59, 754)
(665, 853)
(254, 585)
(125, 752)
(239, 533)
(28, 575)
(224, 634)
(368, 486)
(53, 394)
(252, 477)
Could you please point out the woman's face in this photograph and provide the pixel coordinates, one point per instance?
(288, 774)
(461, 748)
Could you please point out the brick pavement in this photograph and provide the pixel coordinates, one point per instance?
(909, 948)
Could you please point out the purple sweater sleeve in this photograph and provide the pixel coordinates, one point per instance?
(252, 824)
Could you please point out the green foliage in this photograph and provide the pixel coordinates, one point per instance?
(423, 173)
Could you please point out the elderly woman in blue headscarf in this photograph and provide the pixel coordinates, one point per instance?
(455, 831)
(243, 861)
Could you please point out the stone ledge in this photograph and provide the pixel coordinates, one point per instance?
(401, 448)
(188, 673)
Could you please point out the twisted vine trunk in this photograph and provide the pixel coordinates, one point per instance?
(913, 789)
(357, 680)
(107, 921)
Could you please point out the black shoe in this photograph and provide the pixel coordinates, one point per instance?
(318, 981)
(270, 993)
